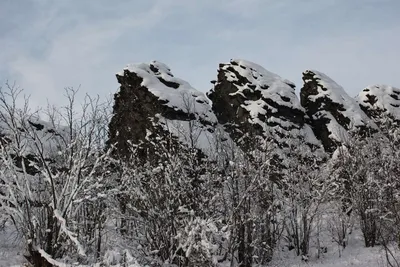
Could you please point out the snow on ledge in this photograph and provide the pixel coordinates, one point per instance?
(177, 93)
(351, 110)
(386, 99)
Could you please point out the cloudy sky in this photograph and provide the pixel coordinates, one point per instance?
(46, 45)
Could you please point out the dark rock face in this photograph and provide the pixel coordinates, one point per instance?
(381, 103)
(133, 109)
(153, 109)
(153, 105)
(335, 116)
(247, 99)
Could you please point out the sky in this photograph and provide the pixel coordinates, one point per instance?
(47, 45)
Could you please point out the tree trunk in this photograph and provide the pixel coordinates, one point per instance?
(242, 245)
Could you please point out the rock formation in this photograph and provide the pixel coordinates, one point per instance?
(247, 102)
(152, 105)
(334, 114)
(250, 101)
(380, 102)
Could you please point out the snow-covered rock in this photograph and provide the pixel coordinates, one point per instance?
(152, 102)
(334, 114)
(380, 102)
(248, 99)
(171, 92)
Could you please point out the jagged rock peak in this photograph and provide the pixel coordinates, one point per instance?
(254, 73)
(153, 105)
(172, 92)
(252, 79)
(379, 100)
(246, 97)
(334, 114)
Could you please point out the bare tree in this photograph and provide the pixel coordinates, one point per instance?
(368, 170)
(307, 186)
(53, 178)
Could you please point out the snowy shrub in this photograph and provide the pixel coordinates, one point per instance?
(200, 241)
(53, 177)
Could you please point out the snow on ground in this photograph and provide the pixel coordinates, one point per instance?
(355, 255)
(11, 249)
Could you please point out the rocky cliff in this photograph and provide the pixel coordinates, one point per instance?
(380, 102)
(250, 101)
(335, 116)
(247, 102)
(153, 105)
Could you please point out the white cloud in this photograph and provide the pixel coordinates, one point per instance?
(74, 55)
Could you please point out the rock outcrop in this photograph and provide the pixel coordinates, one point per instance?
(250, 101)
(381, 103)
(153, 105)
(335, 116)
